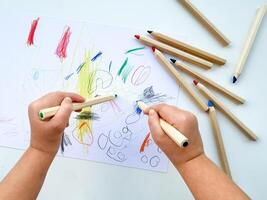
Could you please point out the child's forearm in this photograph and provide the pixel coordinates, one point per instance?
(206, 181)
(25, 180)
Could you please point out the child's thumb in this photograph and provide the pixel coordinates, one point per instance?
(63, 114)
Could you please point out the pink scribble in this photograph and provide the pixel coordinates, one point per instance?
(61, 50)
(30, 40)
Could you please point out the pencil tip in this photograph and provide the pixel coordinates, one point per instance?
(173, 60)
(195, 82)
(150, 32)
(116, 95)
(137, 36)
(138, 110)
(153, 49)
(210, 103)
(234, 79)
(185, 144)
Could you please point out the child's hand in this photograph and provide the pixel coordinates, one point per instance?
(185, 122)
(46, 135)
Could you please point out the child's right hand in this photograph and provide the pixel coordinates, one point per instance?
(185, 122)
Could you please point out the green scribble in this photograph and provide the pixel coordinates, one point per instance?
(126, 72)
(135, 49)
(87, 115)
(123, 66)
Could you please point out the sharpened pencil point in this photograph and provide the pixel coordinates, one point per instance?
(195, 82)
(150, 32)
(137, 36)
(173, 60)
(210, 103)
(116, 95)
(153, 49)
(234, 79)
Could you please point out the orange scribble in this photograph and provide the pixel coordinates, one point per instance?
(144, 143)
(82, 124)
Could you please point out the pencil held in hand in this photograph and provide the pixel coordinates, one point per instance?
(50, 112)
(172, 132)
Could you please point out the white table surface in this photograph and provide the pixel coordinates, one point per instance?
(78, 179)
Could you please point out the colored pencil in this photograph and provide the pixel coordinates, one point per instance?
(163, 60)
(50, 112)
(208, 81)
(175, 52)
(219, 139)
(249, 41)
(218, 104)
(207, 23)
(187, 48)
(172, 132)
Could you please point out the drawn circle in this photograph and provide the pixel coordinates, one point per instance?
(140, 75)
(154, 161)
(125, 129)
(117, 134)
(121, 156)
(132, 118)
(144, 159)
(112, 151)
(102, 141)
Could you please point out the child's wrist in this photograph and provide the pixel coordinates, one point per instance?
(180, 166)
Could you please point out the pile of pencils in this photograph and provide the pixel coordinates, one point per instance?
(162, 43)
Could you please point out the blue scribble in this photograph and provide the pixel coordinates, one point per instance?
(80, 67)
(96, 56)
(67, 77)
(110, 64)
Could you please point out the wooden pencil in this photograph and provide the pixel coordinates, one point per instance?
(219, 140)
(187, 48)
(162, 59)
(208, 81)
(175, 52)
(50, 112)
(207, 23)
(218, 104)
(172, 132)
(249, 41)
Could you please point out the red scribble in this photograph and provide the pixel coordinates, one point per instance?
(145, 143)
(30, 39)
(61, 50)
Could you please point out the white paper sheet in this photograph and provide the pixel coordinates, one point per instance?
(117, 133)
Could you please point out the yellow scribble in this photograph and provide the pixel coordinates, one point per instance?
(85, 85)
